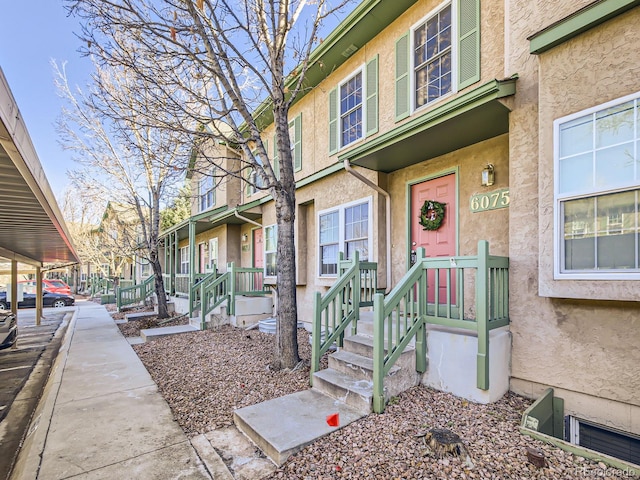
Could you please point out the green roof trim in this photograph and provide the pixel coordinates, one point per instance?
(469, 118)
(584, 19)
(366, 21)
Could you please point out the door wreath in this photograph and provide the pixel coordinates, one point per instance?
(431, 215)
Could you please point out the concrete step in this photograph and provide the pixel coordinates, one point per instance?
(153, 333)
(139, 316)
(358, 366)
(283, 426)
(345, 388)
(363, 345)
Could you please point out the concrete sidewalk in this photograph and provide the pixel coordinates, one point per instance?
(101, 415)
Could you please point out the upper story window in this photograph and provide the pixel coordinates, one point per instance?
(351, 110)
(353, 107)
(439, 56)
(433, 58)
(597, 192)
(206, 192)
(347, 229)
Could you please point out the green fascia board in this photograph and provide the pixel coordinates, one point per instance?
(366, 21)
(462, 121)
(223, 214)
(577, 23)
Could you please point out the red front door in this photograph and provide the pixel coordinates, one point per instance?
(258, 257)
(440, 242)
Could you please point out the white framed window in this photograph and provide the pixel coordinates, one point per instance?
(597, 192)
(184, 260)
(346, 228)
(213, 253)
(351, 109)
(270, 250)
(433, 57)
(206, 192)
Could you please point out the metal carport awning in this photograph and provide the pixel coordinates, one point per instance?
(32, 228)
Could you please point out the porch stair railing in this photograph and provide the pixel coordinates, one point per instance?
(134, 294)
(213, 289)
(417, 300)
(339, 308)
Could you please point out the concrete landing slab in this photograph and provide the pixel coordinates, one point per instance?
(283, 426)
(244, 459)
(135, 340)
(152, 333)
(139, 315)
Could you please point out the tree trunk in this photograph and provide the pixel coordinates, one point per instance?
(163, 311)
(286, 354)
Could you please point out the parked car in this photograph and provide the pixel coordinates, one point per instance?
(49, 299)
(53, 286)
(8, 329)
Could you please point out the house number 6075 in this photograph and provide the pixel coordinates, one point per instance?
(482, 202)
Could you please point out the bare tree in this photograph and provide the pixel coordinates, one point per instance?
(136, 164)
(230, 60)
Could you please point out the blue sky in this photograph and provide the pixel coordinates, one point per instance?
(33, 33)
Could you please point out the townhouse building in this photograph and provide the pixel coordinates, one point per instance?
(431, 126)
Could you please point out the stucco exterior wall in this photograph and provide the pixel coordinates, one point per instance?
(586, 349)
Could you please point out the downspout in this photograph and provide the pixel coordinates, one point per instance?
(246, 219)
(377, 188)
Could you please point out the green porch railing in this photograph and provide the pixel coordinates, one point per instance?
(214, 291)
(245, 281)
(340, 306)
(433, 291)
(195, 295)
(368, 277)
(100, 285)
(135, 294)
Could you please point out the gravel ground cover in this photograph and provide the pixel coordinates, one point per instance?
(132, 327)
(204, 376)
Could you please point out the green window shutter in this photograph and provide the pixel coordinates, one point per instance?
(297, 143)
(468, 42)
(372, 96)
(402, 77)
(276, 160)
(333, 121)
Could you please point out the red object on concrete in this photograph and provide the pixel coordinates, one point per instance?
(333, 420)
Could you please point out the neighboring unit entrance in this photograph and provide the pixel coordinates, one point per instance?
(441, 242)
(258, 255)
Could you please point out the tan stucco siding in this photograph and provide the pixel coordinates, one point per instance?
(594, 68)
(585, 349)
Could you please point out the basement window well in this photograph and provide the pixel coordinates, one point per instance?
(609, 441)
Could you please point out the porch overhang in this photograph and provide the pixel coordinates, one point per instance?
(214, 218)
(465, 120)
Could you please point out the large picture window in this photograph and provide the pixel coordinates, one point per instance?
(343, 229)
(433, 57)
(597, 191)
(270, 247)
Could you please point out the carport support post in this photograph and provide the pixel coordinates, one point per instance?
(14, 287)
(38, 295)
